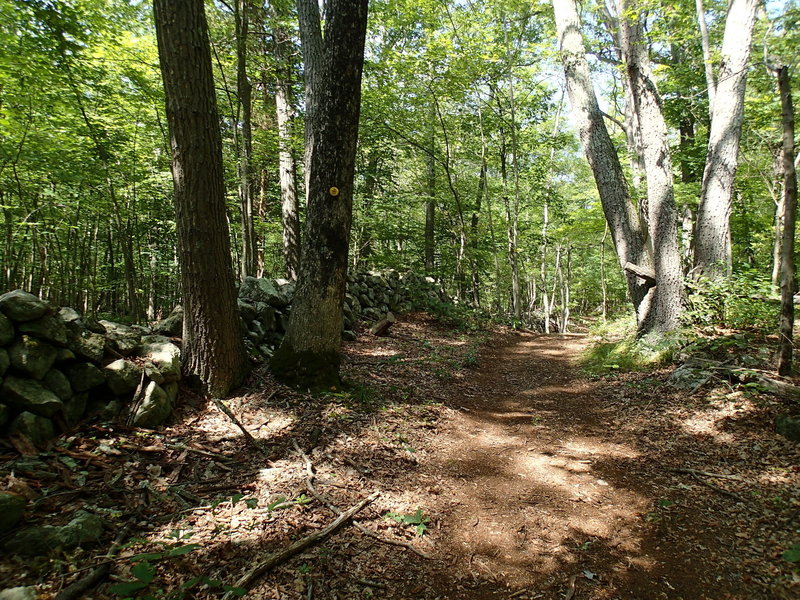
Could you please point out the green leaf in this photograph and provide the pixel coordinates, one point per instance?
(236, 591)
(144, 572)
(126, 588)
(146, 556)
(181, 550)
(792, 555)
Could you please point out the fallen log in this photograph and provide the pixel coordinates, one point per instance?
(382, 327)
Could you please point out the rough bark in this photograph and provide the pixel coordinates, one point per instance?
(712, 256)
(627, 231)
(309, 355)
(788, 277)
(213, 351)
(287, 163)
(244, 90)
(665, 308)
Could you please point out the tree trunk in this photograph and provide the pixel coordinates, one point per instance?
(430, 201)
(287, 163)
(788, 279)
(665, 309)
(708, 65)
(213, 351)
(712, 239)
(245, 160)
(625, 225)
(309, 354)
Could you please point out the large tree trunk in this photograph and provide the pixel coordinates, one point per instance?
(665, 309)
(624, 223)
(788, 278)
(712, 240)
(213, 350)
(708, 65)
(309, 354)
(287, 163)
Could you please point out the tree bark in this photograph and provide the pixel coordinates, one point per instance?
(627, 231)
(213, 351)
(287, 162)
(712, 239)
(430, 201)
(708, 65)
(309, 355)
(788, 277)
(244, 91)
(665, 308)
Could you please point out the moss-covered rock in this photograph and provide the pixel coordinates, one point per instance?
(30, 395)
(32, 357)
(39, 429)
(21, 306)
(49, 328)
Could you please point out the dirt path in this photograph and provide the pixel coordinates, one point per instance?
(528, 479)
(545, 496)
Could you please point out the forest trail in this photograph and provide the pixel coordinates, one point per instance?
(540, 491)
(518, 476)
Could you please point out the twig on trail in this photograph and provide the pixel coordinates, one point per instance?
(374, 584)
(335, 510)
(288, 552)
(250, 439)
(83, 585)
(706, 473)
(698, 475)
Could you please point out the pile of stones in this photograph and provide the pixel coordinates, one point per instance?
(57, 367)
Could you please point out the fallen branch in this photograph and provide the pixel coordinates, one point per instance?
(706, 473)
(335, 510)
(288, 552)
(250, 439)
(80, 587)
(645, 273)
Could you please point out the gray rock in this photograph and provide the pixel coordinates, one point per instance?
(31, 356)
(172, 325)
(123, 376)
(789, 427)
(263, 290)
(84, 376)
(11, 509)
(30, 395)
(20, 306)
(348, 336)
(266, 316)
(258, 329)
(68, 315)
(152, 373)
(5, 414)
(154, 409)
(122, 338)
(171, 390)
(165, 355)
(5, 361)
(65, 355)
(246, 310)
(85, 528)
(91, 346)
(19, 593)
(55, 381)
(48, 328)
(38, 429)
(6, 330)
(75, 408)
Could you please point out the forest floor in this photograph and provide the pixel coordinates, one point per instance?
(492, 454)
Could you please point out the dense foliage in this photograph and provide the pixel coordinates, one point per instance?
(463, 111)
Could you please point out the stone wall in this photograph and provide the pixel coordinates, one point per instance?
(57, 367)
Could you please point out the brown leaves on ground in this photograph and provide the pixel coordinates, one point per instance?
(518, 476)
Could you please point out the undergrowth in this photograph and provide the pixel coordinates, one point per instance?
(616, 348)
